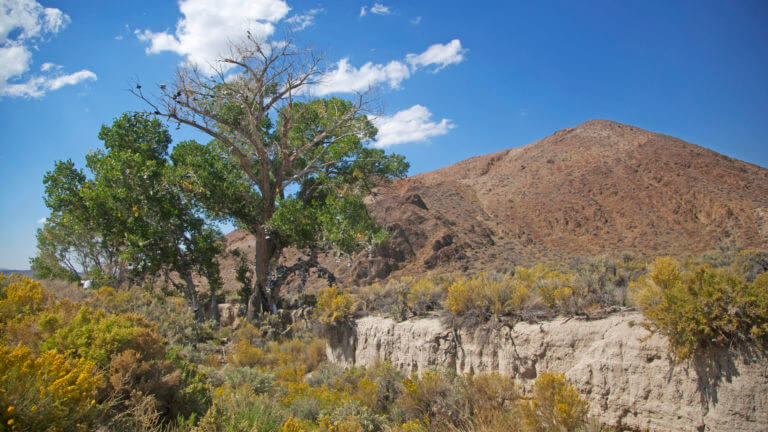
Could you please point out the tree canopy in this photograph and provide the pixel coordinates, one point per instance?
(131, 210)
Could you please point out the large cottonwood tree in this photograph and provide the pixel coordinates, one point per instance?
(289, 168)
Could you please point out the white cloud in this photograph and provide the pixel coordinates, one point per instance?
(71, 79)
(348, 79)
(411, 125)
(30, 19)
(207, 28)
(380, 9)
(300, 22)
(416, 20)
(363, 11)
(345, 78)
(41, 220)
(441, 55)
(23, 24)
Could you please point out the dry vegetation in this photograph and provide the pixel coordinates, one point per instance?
(134, 359)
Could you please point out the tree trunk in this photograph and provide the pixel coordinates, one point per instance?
(192, 295)
(260, 300)
(213, 305)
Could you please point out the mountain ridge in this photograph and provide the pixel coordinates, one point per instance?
(598, 188)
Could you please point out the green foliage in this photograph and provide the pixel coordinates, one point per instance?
(96, 336)
(702, 306)
(314, 148)
(131, 214)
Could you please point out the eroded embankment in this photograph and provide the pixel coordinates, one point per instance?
(625, 373)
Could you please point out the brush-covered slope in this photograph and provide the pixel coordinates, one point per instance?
(598, 188)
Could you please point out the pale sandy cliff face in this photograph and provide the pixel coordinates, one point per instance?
(624, 372)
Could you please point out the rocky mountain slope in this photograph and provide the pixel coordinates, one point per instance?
(625, 372)
(597, 188)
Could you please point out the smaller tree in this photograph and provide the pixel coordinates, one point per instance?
(134, 206)
(70, 244)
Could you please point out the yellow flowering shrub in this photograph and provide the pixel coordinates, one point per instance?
(334, 307)
(46, 393)
(95, 335)
(702, 306)
(488, 294)
(555, 405)
(20, 295)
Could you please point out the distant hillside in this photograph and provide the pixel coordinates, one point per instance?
(27, 273)
(598, 188)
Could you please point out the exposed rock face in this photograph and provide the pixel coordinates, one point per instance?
(625, 372)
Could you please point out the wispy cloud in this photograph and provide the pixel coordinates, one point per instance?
(377, 9)
(23, 25)
(411, 125)
(416, 20)
(42, 220)
(380, 9)
(208, 27)
(302, 21)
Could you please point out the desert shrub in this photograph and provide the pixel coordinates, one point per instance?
(171, 314)
(389, 383)
(236, 410)
(20, 295)
(246, 355)
(604, 282)
(487, 395)
(555, 287)
(353, 415)
(426, 294)
(46, 393)
(751, 263)
(334, 307)
(555, 405)
(485, 294)
(703, 306)
(326, 374)
(255, 379)
(431, 397)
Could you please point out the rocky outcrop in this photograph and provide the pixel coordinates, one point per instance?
(624, 371)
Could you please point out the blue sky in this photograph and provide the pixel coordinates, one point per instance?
(455, 79)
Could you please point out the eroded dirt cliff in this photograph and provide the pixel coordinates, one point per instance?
(625, 372)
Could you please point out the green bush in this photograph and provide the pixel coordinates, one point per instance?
(97, 336)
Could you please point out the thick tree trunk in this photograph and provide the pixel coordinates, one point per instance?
(260, 300)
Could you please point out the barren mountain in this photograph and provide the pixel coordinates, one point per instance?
(598, 188)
